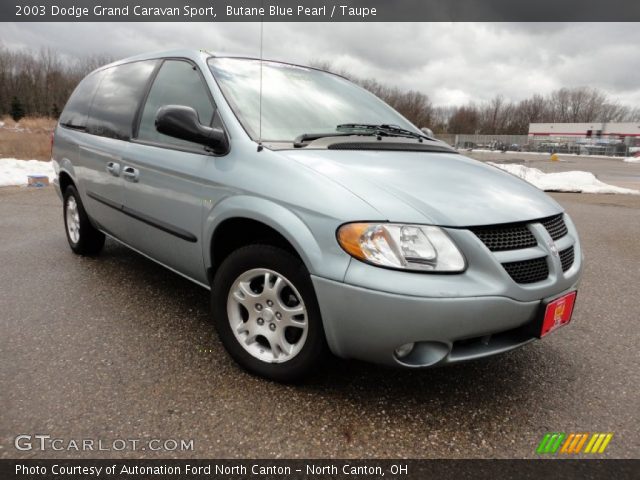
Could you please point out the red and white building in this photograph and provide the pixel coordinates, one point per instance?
(611, 131)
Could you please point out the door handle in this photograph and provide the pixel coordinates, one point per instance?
(130, 174)
(113, 168)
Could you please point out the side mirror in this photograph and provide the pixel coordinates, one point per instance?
(428, 132)
(182, 122)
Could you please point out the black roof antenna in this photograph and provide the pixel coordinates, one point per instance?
(260, 147)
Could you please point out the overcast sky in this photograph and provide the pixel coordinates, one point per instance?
(451, 62)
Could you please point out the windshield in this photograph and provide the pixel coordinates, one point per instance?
(296, 100)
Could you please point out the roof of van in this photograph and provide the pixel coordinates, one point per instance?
(195, 55)
(182, 53)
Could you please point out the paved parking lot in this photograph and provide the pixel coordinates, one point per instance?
(117, 347)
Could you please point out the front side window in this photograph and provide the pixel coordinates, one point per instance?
(296, 100)
(117, 98)
(177, 83)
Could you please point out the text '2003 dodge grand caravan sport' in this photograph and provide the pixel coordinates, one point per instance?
(317, 215)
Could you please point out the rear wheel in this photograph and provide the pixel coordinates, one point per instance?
(83, 238)
(266, 313)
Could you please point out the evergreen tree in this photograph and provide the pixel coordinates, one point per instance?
(17, 110)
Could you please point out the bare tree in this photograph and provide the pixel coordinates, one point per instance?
(42, 81)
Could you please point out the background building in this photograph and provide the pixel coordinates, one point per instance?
(611, 131)
(620, 139)
(613, 138)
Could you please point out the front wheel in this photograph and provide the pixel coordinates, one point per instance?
(266, 313)
(83, 237)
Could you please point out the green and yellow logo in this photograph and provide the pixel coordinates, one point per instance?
(574, 443)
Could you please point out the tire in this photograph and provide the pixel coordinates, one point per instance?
(83, 238)
(243, 310)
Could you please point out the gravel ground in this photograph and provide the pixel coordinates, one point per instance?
(118, 347)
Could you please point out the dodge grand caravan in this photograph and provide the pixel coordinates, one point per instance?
(320, 218)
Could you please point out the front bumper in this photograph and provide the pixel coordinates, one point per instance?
(369, 325)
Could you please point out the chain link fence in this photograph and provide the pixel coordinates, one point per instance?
(523, 143)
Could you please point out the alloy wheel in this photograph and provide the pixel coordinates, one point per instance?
(267, 315)
(73, 219)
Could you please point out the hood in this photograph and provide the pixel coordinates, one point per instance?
(445, 189)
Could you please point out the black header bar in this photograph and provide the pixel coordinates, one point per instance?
(319, 11)
(319, 469)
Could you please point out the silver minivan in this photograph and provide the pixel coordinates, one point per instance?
(320, 218)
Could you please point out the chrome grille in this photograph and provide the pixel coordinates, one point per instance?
(528, 271)
(567, 257)
(555, 226)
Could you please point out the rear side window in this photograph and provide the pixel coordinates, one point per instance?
(77, 108)
(116, 101)
(177, 83)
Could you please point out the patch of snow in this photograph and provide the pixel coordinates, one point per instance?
(576, 181)
(631, 160)
(15, 172)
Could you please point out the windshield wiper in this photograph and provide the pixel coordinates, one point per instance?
(383, 130)
(301, 140)
(359, 129)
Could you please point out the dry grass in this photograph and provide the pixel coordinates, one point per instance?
(28, 139)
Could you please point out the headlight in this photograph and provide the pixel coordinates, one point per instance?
(407, 247)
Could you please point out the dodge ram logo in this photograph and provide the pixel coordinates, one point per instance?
(552, 248)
